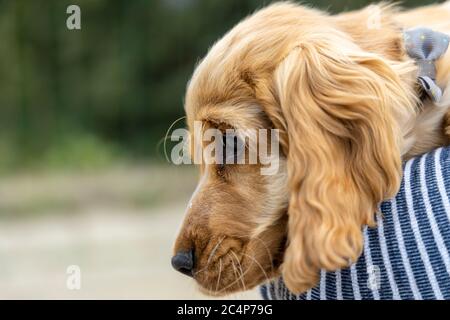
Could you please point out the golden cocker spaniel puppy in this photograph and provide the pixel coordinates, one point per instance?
(343, 94)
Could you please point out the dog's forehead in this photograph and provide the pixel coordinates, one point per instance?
(229, 115)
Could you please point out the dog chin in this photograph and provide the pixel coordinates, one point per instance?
(221, 292)
(237, 285)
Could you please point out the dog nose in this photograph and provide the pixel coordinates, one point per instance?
(184, 262)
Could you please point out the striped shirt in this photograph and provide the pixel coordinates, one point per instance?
(407, 255)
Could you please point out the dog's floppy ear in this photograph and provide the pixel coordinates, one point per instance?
(343, 154)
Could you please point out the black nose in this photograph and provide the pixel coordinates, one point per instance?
(184, 262)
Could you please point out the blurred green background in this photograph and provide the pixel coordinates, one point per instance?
(107, 93)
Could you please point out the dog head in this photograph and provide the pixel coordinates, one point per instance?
(335, 106)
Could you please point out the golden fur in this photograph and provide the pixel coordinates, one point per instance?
(343, 96)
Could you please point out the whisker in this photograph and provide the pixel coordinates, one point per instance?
(240, 267)
(232, 283)
(213, 252)
(220, 273)
(245, 272)
(258, 264)
(266, 248)
(236, 273)
(215, 249)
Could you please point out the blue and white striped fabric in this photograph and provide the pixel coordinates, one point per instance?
(407, 255)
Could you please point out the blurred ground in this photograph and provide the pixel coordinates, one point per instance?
(117, 225)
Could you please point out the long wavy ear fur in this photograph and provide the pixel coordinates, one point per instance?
(343, 156)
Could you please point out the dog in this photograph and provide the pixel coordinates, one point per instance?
(344, 95)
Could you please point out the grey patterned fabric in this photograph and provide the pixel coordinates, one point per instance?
(425, 46)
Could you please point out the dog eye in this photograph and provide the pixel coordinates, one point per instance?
(232, 149)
